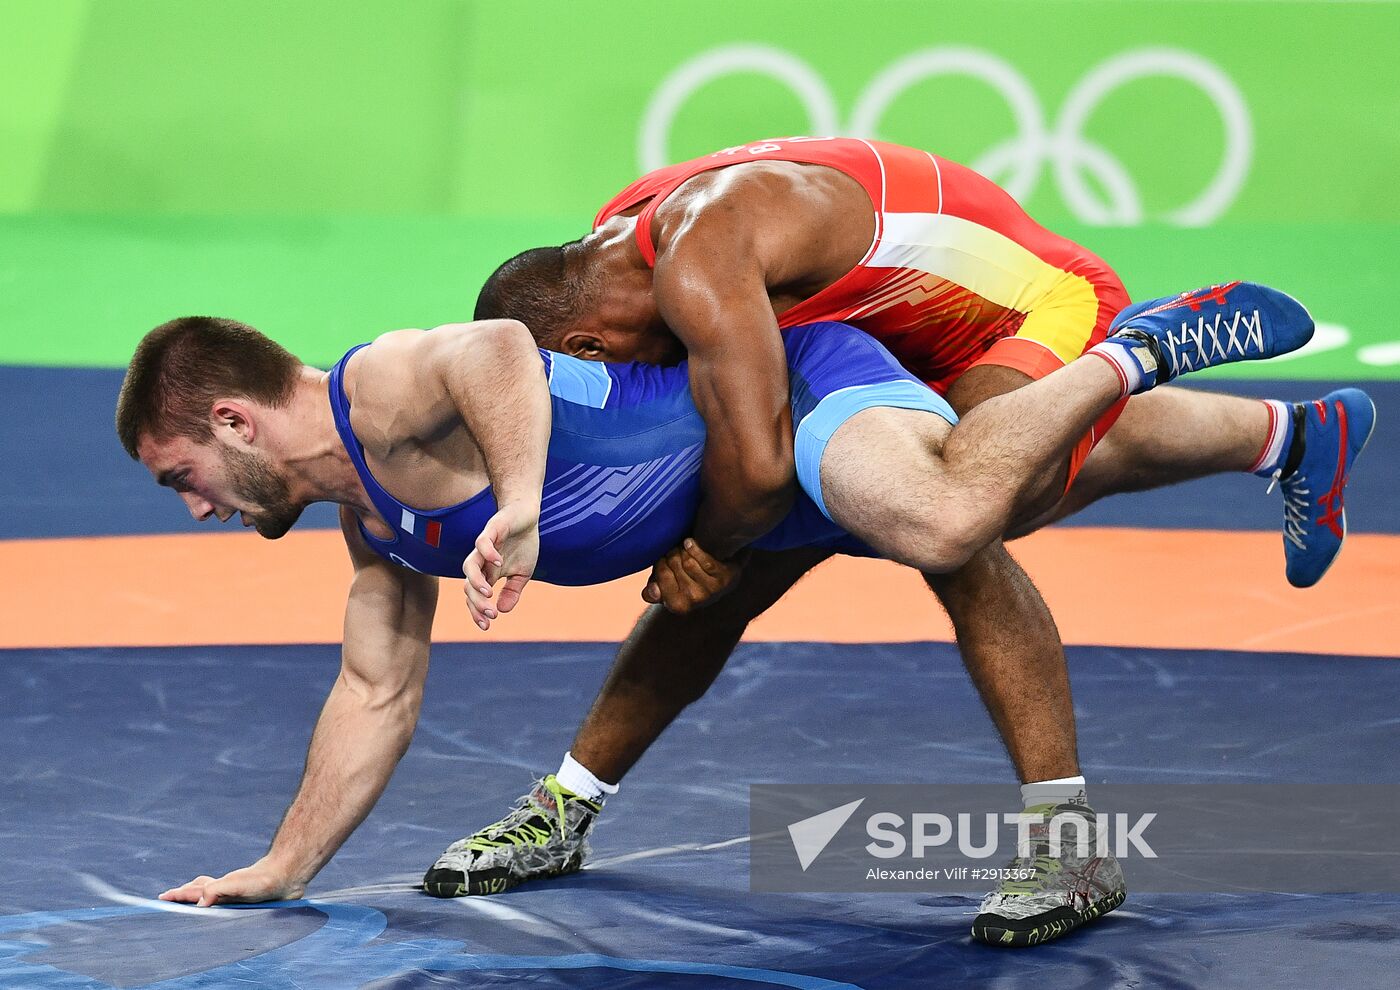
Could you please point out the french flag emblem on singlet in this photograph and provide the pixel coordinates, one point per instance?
(429, 531)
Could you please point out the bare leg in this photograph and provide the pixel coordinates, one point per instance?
(884, 479)
(987, 381)
(1006, 634)
(1012, 652)
(671, 660)
(930, 495)
(1023, 679)
(1209, 434)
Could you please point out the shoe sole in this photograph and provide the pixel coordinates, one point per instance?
(498, 880)
(1343, 541)
(993, 929)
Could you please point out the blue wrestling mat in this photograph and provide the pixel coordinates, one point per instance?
(129, 770)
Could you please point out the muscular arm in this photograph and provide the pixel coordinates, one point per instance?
(492, 373)
(729, 243)
(369, 717)
(488, 377)
(363, 731)
(711, 289)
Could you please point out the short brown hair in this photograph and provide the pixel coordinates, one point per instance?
(182, 367)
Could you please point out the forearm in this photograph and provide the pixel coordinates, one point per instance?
(748, 476)
(724, 525)
(358, 741)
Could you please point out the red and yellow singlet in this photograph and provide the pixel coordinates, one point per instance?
(956, 275)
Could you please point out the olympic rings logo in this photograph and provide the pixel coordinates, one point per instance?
(1017, 163)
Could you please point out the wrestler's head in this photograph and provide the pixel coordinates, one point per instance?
(193, 409)
(591, 298)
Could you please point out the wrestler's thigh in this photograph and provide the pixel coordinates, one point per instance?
(884, 481)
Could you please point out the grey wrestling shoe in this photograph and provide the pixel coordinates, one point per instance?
(1045, 897)
(545, 835)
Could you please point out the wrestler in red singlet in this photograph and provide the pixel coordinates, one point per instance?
(957, 273)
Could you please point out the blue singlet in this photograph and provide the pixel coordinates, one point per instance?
(622, 479)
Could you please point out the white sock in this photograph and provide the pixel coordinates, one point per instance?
(1061, 790)
(576, 777)
(1130, 359)
(1275, 450)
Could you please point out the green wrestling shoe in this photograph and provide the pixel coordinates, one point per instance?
(545, 835)
(1044, 896)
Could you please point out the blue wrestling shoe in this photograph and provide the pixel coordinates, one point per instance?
(1220, 324)
(1328, 434)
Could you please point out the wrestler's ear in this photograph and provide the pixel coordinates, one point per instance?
(234, 415)
(584, 344)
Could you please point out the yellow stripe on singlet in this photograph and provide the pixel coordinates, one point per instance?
(1061, 306)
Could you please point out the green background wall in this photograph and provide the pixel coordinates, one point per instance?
(328, 171)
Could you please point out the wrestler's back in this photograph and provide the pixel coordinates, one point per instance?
(953, 266)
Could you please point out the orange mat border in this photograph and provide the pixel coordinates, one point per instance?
(1112, 587)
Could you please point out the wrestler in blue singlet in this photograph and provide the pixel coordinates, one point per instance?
(622, 478)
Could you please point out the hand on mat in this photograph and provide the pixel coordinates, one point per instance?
(258, 882)
(688, 578)
(508, 548)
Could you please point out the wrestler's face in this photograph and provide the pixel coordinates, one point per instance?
(222, 480)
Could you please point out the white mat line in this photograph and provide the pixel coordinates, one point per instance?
(107, 892)
(670, 850)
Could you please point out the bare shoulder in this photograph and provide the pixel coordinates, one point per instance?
(745, 181)
(414, 355)
(798, 220)
(386, 354)
(401, 384)
(393, 393)
(762, 187)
